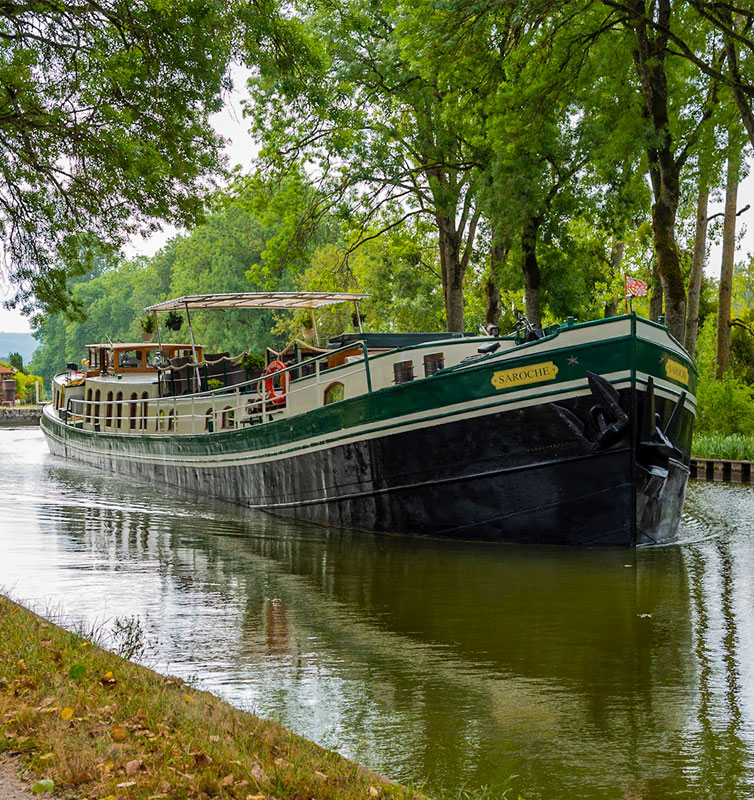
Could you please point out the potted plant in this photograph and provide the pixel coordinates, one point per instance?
(174, 320)
(147, 328)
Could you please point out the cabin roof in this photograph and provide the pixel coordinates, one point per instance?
(277, 300)
(7, 371)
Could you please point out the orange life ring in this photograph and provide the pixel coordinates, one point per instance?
(269, 382)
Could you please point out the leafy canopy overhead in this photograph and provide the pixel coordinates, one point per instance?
(104, 127)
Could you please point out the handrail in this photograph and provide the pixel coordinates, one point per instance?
(90, 411)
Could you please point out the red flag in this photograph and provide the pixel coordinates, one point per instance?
(635, 287)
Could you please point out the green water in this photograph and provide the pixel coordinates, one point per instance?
(583, 673)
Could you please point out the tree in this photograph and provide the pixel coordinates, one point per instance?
(104, 128)
(381, 136)
(15, 360)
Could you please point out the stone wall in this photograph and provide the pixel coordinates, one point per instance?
(13, 416)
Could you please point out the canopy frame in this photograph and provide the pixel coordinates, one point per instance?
(290, 301)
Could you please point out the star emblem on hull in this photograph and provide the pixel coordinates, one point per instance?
(573, 361)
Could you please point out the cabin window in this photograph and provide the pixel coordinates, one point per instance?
(118, 409)
(129, 359)
(109, 410)
(229, 417)
(334, 393)
(433, 363)
(157, 356)
(161, 420)
(144, 410)
(97, 397)
(403, 371)
(132, 411)
(208, 420)
(88, 412)
(94, 359)
(171, 420)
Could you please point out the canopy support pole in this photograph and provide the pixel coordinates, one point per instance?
(193, 349)
(159, 343)
(358, 316)
(314, 325)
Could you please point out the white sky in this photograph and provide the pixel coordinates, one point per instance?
(240, 150)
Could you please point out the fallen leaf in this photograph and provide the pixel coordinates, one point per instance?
(281, 762)
(108, 674)
(45, 785)
(126, 785)
(66, 713)
(227, 780)
(320, 775)
(118, 733)
(202, 759)
(132, 767)
(214, 738)
(188, 698)
(46, 756)
(256, 797)
(258, 773)
(374, 791)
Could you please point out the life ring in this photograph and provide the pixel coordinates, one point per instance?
(269, 382)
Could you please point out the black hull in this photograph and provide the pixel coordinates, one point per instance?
(527, 475)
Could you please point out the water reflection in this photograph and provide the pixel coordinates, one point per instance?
(587, 673)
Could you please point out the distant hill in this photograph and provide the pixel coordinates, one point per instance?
(23, 343)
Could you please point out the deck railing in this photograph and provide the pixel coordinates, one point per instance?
(247, 403)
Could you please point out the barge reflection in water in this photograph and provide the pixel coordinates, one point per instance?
(587, 673)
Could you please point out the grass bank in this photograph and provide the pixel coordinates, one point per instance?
(734, 447)
(86, 723)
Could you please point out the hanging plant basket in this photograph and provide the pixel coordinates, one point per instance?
(174, 321)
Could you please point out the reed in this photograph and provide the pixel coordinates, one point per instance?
(734, 447)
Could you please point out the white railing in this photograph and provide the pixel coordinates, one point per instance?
(247, 403)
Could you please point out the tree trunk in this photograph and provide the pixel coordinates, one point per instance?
(655, 298)
(697, 268)
(722, 356)
(649, 59)
(498, 254)
(452, 273)
(616, 256)
(532, 277)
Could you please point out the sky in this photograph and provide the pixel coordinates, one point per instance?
(240, 149)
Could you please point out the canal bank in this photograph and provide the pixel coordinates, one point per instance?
(87, 723)
(17, 416)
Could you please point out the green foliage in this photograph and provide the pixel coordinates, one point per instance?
(725, 406)
(734, 447)
(15, 361)
(147, 324)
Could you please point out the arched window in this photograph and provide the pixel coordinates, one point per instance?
(208, 420)
(144, 410)
(118, 409)
(88, 412)
(171, 420)
(132, 411)
(229, 417)
(334, 393)
(97, 397)
(109, 410)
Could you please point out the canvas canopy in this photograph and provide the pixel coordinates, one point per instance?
(276, 300)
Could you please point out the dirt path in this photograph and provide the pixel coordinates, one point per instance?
(11, 786)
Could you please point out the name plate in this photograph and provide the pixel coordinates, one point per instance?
(676, 371)
(520, 376)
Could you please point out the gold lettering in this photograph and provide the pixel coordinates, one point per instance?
(676, 371)
(536, 373)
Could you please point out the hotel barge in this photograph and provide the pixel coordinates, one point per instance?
(576, 434)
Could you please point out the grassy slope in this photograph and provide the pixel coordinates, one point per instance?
(100, 726)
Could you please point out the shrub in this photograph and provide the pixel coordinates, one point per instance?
(725, 406)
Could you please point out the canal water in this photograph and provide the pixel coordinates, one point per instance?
(563, 673)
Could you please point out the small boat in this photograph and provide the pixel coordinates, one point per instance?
(575, 434)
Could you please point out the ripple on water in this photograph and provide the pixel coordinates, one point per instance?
(587, 673)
